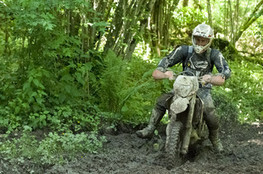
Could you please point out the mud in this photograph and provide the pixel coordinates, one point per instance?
(124, 152)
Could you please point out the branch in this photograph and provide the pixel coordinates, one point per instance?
(252, 18)
(3, 3)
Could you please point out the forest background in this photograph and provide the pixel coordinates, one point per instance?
(72, 66)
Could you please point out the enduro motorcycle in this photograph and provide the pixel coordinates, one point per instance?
(186, 124)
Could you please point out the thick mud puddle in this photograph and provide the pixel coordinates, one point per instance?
(125, 153)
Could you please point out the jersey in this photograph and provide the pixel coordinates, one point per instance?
(196, 64)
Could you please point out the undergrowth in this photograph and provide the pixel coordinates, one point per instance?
(241, 98)
(123, 91)
(54, 148)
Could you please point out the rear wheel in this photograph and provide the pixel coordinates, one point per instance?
(172, 146)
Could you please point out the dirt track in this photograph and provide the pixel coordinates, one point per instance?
(126, 153)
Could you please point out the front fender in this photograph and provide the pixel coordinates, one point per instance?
(179, 105)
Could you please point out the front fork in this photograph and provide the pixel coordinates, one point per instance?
(188, 127)
(169, 130)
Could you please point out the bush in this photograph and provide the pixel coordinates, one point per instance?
(243, 91)
(55, 148)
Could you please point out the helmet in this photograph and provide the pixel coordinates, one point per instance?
(205, 31)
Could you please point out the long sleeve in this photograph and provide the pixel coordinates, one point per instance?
(176, 56)
(221, 64)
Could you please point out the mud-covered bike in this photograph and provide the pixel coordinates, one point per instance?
(186, 125)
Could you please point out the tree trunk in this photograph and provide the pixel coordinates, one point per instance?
(116, 26)
(161, 23)
(108, 9)
(209, 13)
(157, 21)
(237, 16)
(84, 33)
(134, 10)
(231, 22)
(197, 5)
(127, 25)
(185, 3)
(225, 19)
(166, 26)
(143, 23)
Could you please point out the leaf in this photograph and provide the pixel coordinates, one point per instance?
(38, 84)
(67, 77)
(124, 108)
(61, 97)
(33, 94)
(26, 86)
(68, 88)
(80, 78)
(39, 100)
(42, 117)
(27, 128)
(17, 109)
(66, 114)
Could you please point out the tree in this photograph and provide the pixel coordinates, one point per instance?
(127, 26)
(256, 13)
(160, 23)
(231, 20)
(209, 13)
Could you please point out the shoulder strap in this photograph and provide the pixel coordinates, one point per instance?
(190, 51)
(189, 54)
(209, 57)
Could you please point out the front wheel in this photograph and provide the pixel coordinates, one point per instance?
(172, 146)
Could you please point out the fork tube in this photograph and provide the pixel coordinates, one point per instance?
(188, 130)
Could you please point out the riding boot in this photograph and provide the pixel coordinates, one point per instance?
(213, 136)
(148, 131)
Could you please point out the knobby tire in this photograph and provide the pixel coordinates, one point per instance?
(173, 147)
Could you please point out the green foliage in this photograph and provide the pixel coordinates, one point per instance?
(53, 76)
(252, 40)
(243, 91)
(32, 102)
(228, 50)
(112, 82)
(70, 83)
(8, 120)
(141, 91)
(32, 95)
(189, 15)
(73, 118)
(186, 19)
(128, 89)
(225, 107)
(53, 149)
(77, 118)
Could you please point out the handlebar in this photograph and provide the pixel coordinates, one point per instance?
(200, 79)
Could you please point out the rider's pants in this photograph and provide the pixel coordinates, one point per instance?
(164, 101)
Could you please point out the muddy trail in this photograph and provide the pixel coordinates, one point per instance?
(125, 153)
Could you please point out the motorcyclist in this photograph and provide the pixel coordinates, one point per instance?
(198, 59)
